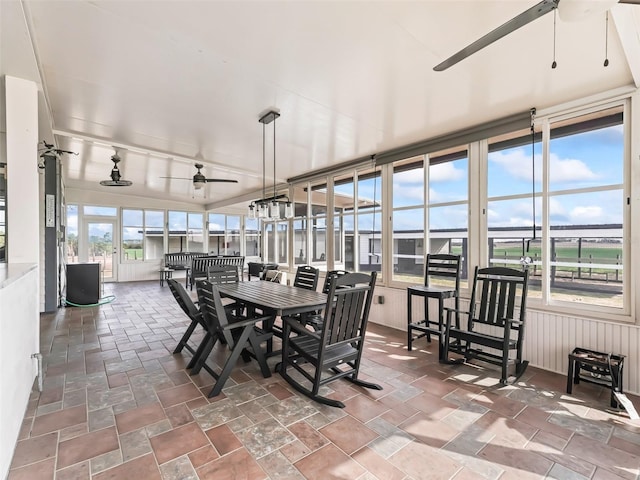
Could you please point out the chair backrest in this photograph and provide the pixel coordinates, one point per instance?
(347, 310)
(330, 275)
(268, 267)
(219, 274)
(444, 267)
(183, 298)
(306, 277)
(497, 293)
(211, 306)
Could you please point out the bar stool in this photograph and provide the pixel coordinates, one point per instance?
(439, 267)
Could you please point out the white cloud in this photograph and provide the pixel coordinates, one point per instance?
(517, 163)
(445, 172)
(582, 215)
(415, 176)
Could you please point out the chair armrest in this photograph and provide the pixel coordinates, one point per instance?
(296, 326)
(513, 321)
(244, 323)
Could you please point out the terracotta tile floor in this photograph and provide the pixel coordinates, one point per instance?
(118, 405)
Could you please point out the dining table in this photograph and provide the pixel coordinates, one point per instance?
(274, 298)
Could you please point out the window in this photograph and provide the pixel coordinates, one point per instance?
(586, 198)
(100, 211)
(369, 221)
(142, 234)
(579, 251)
(448, 202)
(71, 236)
(344, 208)
(132, 234)
(185, 232)
(408, 220)
(253, 249)
(318, 225)
(300, 226)
(153, 234)
(224, 234)
(216, 233)
(510, 184)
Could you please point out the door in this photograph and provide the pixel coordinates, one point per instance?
(101, 247)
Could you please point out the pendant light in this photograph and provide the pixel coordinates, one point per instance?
(268, 208)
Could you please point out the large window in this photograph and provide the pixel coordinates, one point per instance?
(448, 201)
(224, 234)
(369, 220)
(408, 220)
(578, 250)
(252, 242)
(185, 232)
(142, 234)
(71, 234)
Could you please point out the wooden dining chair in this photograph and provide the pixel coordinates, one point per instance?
(190, 309)
(306, 277)
(336, 351)
(245, 337)
(314, 319)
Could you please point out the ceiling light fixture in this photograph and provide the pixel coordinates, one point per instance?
(268, 208)
(116, 178)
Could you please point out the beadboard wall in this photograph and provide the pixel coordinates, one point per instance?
(549, 337)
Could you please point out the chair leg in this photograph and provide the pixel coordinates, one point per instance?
(202, 354)
(185, 338)
(231, 361)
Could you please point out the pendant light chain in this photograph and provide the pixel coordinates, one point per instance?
(555, 16)
(274, 159)
(606, 41)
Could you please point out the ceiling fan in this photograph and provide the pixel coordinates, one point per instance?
(570, 10)
(116, 178)
(199, 180)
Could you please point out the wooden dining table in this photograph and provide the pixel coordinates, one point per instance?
(274, 298)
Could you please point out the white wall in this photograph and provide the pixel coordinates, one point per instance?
(23, 242)
(19, 321)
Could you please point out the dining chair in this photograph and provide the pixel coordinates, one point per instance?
(314, 319)
(306, 277)
(335, 351)
(243, 337)
(190, 309)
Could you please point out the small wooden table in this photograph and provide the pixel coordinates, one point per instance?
(165, 274)
(598, 368)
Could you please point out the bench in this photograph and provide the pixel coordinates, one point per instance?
(200, 265)
(180, 260)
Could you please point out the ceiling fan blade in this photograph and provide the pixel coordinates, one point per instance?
(533, 13)
(209, 180)
(630, 2)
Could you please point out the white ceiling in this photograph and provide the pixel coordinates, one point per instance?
(169, 82)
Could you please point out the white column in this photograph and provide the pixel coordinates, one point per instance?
(22, 171)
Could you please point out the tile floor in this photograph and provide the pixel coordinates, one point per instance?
(118, 405)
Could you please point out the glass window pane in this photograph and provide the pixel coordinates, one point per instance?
(71, 240)
(132, 243)
(510, 169)
(252, 239)
(195, 220)
(586, 247)
(300, 241)
(408, 244)
(449, 181)
(282, 242)
(153, 218)
(177, 232)
(408, 183)
(96, 210)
